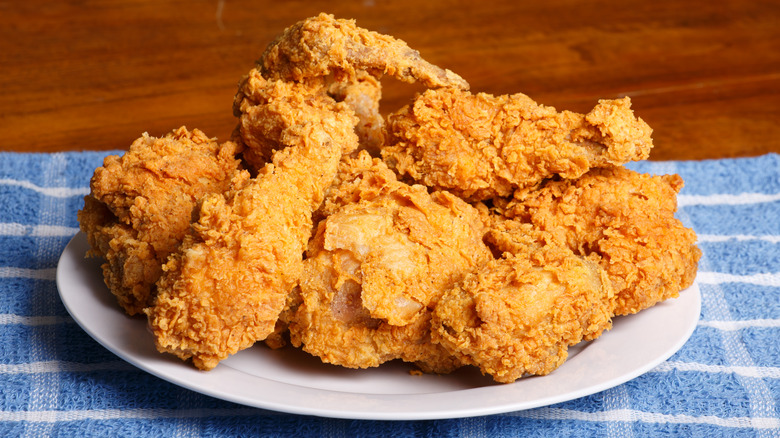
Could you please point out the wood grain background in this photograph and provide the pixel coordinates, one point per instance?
(78, 75)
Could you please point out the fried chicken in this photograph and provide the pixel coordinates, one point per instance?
(623, 220)
(481, 146)
(296, 230)
(574, 254)
(518, 315)
(226, 286)
(140, 205)
(336, 58)
(381, 259)
(322, 46)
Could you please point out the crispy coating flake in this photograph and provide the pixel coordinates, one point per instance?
(362, 95)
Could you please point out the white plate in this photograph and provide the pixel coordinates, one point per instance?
(289, 380)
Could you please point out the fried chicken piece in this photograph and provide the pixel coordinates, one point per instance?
(321, 46)
(623, 220)
(336, 58)
(518, 315)
(481, 146)
(270, 109)
(378, 265)
(140, 205)
(228, 283)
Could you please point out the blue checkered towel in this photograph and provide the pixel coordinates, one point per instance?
(725, 381)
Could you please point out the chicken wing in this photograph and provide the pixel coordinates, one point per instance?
(334, 57)
(480, 146)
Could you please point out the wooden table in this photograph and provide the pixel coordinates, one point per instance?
(78, 75)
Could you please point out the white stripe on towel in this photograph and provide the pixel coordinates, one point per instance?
(633, 415)
(726, 199)
(36, 274)
(55, 366)
(738, 237)
(57, 192)
(33, 321)
(751, 371)
(762, 279)
(55, 416)
(739, 325)
(628, 415)
(15, 229)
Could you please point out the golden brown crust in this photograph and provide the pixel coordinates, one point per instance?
(324, 57)
(323, 45)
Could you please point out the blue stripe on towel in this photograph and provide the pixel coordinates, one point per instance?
(33, 207)
(750, 219)
(741, 258)
(758, 341)
(30, 297)
(35, 252)
(699, 394)
(749, 301)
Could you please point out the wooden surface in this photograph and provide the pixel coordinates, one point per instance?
(78, 75)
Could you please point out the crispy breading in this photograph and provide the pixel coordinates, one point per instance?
(323, 55)
(321, 46)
